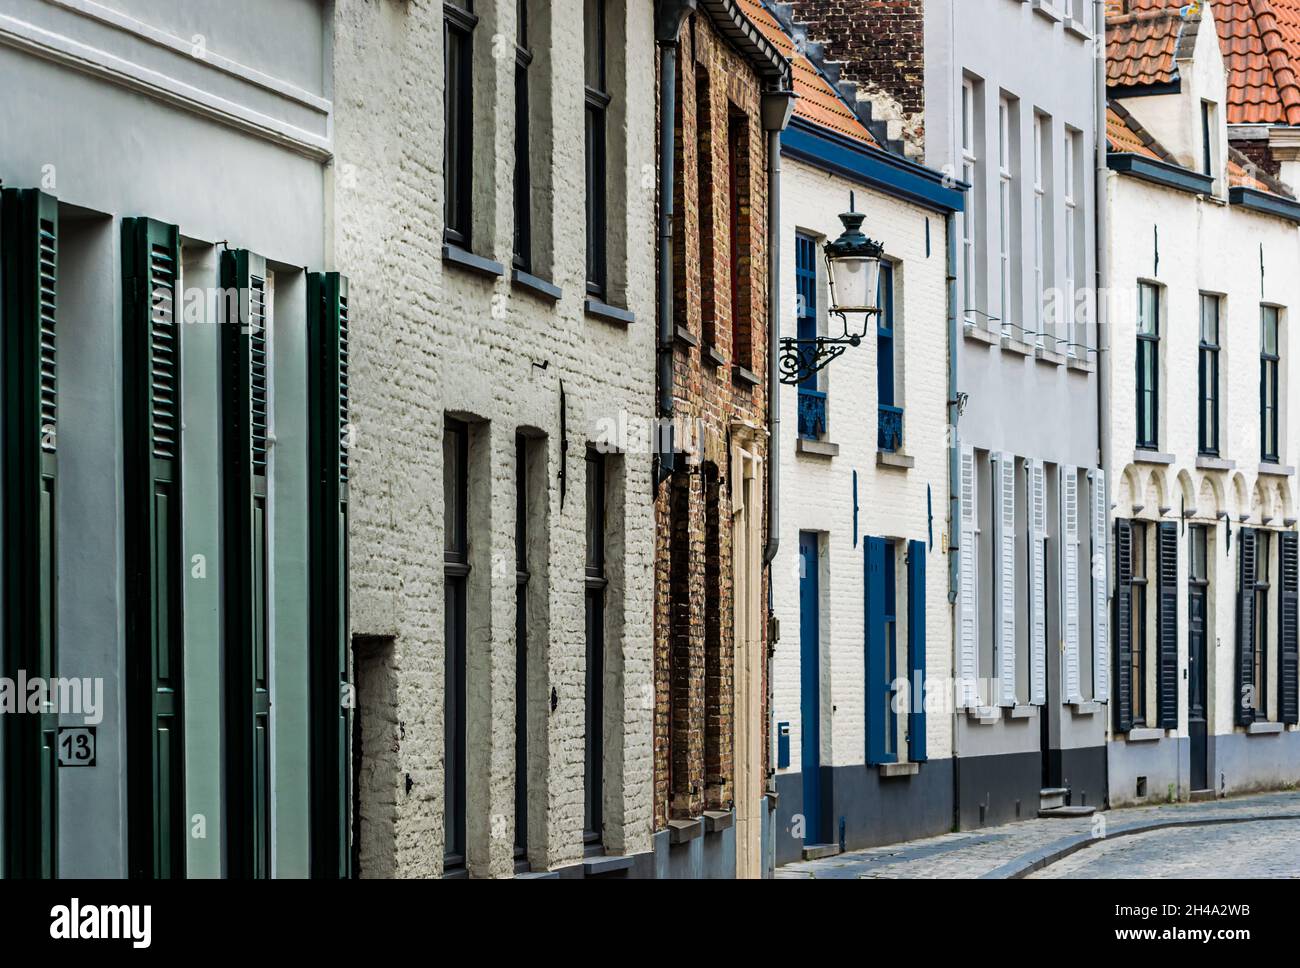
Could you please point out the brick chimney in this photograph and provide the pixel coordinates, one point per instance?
(880, 46)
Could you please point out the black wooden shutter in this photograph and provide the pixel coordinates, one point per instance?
(1289, 655)
(29, 253)
(1167, 654)
(1245, 626)
(244, 398)
(1123, 697)
(154, 558)
(327, 335)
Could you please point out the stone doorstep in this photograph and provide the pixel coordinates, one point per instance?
(1066, 813)
(819, 851)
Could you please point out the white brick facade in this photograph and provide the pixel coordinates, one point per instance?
(432, 339)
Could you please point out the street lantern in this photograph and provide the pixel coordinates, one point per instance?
(853, 279)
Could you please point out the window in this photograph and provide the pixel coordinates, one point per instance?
(1268, 384)
(458, 110)
(704, 207)
(969, 174)
(890, 724)
(1008, 211)
(1075, 243)
(1042, 225)
(890, 435)
(523, 173)
(598, 100)
(1148, 366)
(812, 402)
(455, 478)
(738, 151)
(1207, 138)
(597, 583)
(1259, 647)
(1208, 377)
(1138, 625)
(521, 646)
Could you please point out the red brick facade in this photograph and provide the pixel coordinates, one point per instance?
(720, 362)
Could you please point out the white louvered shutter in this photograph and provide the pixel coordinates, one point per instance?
(1006, 478)
(968, 629)
(1100, 614)
(1070, 580)
(1037, 583)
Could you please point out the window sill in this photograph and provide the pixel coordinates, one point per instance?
(536, 285)
(1270, 469)
(984, 715)
(595, 866)
(716, 821)
(1207, 463)
(684, 831)
(896, 460)
(744, 377)
(683, 335)
(899, 769)
(1265, 729)
(1049, 357)
(979, 334)
(1022, 711)
(1078, 29)
(464, 259)
(1012, 345)
(1047, 10)
(816, 448)
(712, 357)
(1141, 456)
(1144, 734)
(1080, 365)
(1088, 708)
(610, 314)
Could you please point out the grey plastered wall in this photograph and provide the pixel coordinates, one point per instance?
(180, 111)
(1016, 403)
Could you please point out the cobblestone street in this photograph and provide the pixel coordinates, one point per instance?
(1256, 836)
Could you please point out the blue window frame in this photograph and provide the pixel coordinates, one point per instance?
(891, 652)
(890, 421)
(881, 719)
(812, 402)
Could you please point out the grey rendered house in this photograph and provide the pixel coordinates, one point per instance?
(1029, 507)
(174, 417)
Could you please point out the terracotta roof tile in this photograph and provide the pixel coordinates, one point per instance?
(1125, 135)
(818, 101)
(1143, 46)
(1260, 40)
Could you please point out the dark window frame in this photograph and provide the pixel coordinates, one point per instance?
(522, 577)
(1148, 351)
(523, 195)
(459, 22)
(598, 100)
(1207, 153)
(456, 572)
(597, 584)
(1259, 648)
(1138, 622)
(891, 649)
(1207, 412)
(1269, 383)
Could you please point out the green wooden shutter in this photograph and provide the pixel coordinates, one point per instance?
(916, 651)
(1167, 614)
(154, 560)
(1288, 681)
(1123, 698)
(29, 228)
(327, 335)
(245, 392)
(1245, 626)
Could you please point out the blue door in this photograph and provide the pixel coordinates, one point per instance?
(810, 687)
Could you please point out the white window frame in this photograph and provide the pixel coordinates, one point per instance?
(1041, 132)
(1005, 188)
(969, 163)
(1070, 201)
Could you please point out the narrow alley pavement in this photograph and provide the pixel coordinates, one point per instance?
(1255, 836)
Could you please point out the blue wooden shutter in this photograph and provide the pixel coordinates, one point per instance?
(1167, 652)
(327, 336)
(1246, 618)
(1123, 698)
(1288, 680)
(154, 560)
(29, 246)
(877, 665)
(245, 393)
(916, 651)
